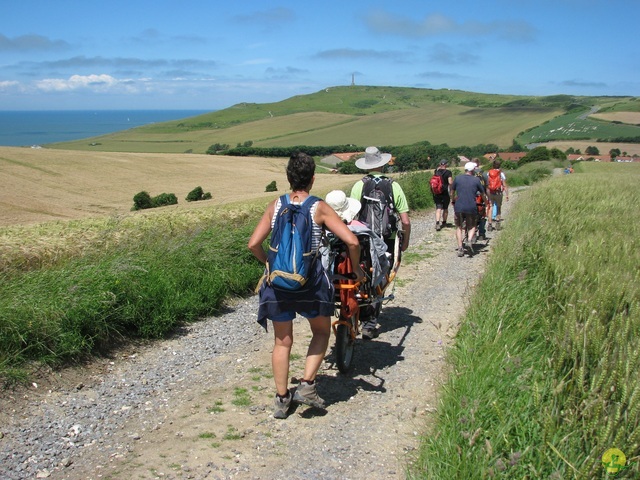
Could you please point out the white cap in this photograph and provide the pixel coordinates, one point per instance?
(469, 166)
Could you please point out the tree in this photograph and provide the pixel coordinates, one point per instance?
(614, 152)
(557, 154)
(592, 150)
(538, 154)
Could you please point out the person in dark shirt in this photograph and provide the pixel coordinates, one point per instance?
(465, 187)
(443, 199)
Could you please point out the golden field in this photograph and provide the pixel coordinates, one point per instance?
(41, 185)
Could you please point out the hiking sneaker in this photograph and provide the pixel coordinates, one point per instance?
(306, 393)
(281, 406)
(438, 226)
(369, 333)
(461, 252)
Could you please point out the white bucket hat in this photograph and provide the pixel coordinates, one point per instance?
(373, 159)
(346, 208)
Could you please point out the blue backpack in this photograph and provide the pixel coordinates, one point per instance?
(290, 258)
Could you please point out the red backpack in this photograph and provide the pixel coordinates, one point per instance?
(436, 184)
(495, 180)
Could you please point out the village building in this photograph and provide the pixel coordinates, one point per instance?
(336, 158)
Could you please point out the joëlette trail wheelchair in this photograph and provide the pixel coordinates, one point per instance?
(356, 302)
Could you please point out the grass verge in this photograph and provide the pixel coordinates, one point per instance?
(545, 366)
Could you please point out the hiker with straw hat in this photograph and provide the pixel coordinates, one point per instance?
(374, 190)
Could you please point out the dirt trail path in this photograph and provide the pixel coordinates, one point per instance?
(215, 419)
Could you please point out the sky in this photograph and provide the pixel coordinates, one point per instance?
(212, 54)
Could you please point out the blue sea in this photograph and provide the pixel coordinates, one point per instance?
(27, 128)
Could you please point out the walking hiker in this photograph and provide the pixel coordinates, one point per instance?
(440, 188)
(382, 201)
(314, 299)
(497, 186)
(465, 188)
(481, 203)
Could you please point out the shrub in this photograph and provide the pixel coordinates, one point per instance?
(164, 199)
(217, 147)
(509, 165)
(197, 194)
(141, 201)
(271, 187)
(416, 189)
(347, 168)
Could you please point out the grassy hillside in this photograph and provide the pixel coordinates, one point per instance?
(358, 115)
(576, 126)
(546, 359)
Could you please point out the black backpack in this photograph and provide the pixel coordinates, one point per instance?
(378, 208)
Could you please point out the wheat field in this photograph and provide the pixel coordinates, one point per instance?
(41, 185)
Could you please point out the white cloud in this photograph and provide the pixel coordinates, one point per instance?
(8, 85)
(98, 83)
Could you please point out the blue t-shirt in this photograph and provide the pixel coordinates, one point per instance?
(466, 187)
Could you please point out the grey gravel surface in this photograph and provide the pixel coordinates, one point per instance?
(199, 404)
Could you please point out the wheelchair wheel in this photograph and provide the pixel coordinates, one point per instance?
(345, 344)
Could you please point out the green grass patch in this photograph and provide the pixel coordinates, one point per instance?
(414, 257)
(232, 434)
(545, 366)
(241, 397)
(216, 407)
(68, 306)
(530, 173)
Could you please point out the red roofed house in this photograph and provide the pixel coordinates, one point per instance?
(511, 156)
(336, 158)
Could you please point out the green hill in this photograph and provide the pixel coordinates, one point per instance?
(362, 115)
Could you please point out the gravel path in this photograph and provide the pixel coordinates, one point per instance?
(199, 405)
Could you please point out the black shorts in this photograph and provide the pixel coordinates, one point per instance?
(442, 201)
